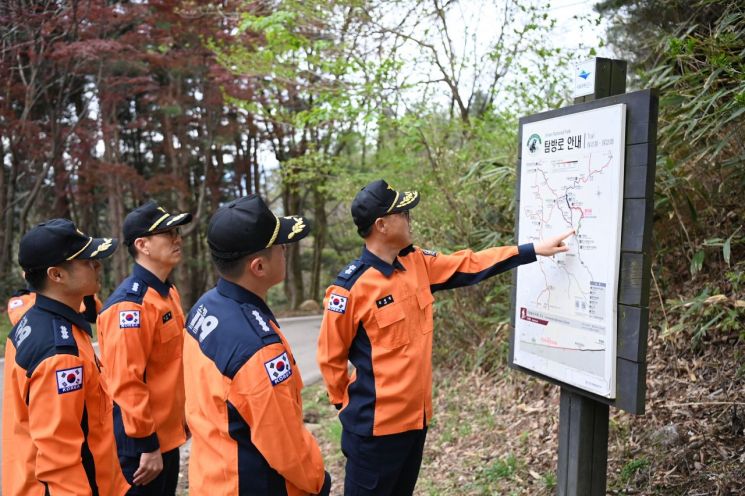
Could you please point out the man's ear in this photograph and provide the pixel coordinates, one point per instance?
(380, 225)
(140, 245)
(54, 274)
(257, 266)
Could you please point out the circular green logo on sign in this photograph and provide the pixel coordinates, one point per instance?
(534, 143)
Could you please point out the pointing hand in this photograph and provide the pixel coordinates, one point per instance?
(551, 246)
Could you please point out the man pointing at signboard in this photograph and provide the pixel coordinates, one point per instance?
(378, 315)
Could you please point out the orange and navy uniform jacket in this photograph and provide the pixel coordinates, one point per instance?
(23, 299)
(140, 332)
(379, 316)
(58, 436)
(243, 401)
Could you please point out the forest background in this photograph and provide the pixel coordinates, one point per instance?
(105, 104)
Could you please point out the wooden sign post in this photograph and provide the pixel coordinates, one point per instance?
(584, 415)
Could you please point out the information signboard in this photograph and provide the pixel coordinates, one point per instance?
(572, 176)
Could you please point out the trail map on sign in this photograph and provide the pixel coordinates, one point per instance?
(571, 176)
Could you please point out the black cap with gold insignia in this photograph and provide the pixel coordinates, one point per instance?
(58, 240)
(378, 199)
(151, 219)
(246, 225)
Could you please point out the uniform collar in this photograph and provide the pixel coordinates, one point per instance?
(242, 295)
(59, 308)
(406, 251)
(140, 272)
(384, 267)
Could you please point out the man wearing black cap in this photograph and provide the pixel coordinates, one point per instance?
(378, 315)
(243, 400)
(140, 332)
(57, 427)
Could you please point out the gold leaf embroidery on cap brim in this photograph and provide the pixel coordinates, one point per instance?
(102, 247)
(408, 198)
(297, 228)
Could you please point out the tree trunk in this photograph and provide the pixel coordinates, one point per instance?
(294, 280)
(319, 243)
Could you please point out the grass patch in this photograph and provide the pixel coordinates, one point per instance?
(504, 468)
(631, 468)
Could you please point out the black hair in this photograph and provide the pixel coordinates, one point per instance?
(364, 233)
(132, 251)
(37, 278)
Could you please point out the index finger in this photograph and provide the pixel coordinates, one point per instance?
(567, 233)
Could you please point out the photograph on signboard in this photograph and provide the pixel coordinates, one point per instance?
(571, 176)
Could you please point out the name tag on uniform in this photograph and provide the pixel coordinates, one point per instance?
(278, 368)
(69, 380)
(386, 300)
(337, 303)
(167, 316)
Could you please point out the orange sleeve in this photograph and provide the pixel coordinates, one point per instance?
(126, 338)
(466, 267)
(273, 411)
(337, 332)
(56, 402)
(19, 305)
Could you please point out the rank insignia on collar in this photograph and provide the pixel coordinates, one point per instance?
(429, 253)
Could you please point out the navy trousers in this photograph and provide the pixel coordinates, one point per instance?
(382, 465)
(163, 485)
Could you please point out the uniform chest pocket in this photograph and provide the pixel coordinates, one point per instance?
(424, 300)
(169, 342)
(393, 329)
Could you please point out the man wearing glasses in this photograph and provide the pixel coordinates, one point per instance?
(378, 315)
(141, 339)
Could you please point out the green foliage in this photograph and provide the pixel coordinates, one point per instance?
(632, 468)
(549, 480)
(697, 65)
(711, 310)
(503, 468)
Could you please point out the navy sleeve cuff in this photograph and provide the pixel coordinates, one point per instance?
(145, 444)
(526, 253)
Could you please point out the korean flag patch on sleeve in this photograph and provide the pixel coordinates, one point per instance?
(69, 380)
(278, 368)
(337, 303)
(129, 319)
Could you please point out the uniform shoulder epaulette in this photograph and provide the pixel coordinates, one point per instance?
(349, 274)
(136, 287)
(38, 336)
(131, 289)
(259, 323)
(63, 337)
(350, 270)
